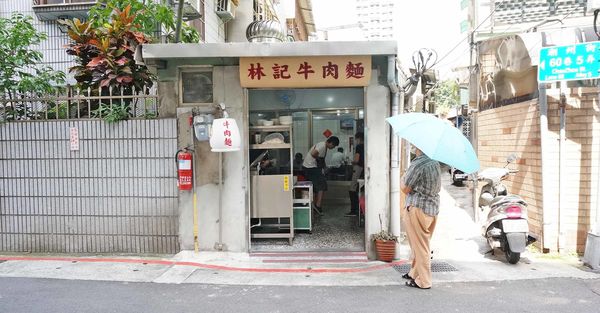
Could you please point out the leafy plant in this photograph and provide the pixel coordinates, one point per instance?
(58, 111)
(21, 74)
(105, 57)
(150, 115)
(383, 235)
(16, 110)
(106, 54)
(446, 96)
(155, 20)
(112, 114)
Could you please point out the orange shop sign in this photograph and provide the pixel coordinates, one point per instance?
(305, 72)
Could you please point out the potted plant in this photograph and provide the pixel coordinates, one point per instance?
(385, 244)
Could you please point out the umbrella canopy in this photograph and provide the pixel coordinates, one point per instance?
(437, 139)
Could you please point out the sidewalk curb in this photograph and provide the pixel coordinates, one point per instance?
(208, 266)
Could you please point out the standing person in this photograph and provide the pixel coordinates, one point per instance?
(298, 160)
(337, 162)
(358, 165)
(314, 165)
(422, 185)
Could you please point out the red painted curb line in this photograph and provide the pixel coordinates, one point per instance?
(210, 266)
(306, 254)
(314, 261)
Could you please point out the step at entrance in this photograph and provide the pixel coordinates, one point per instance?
(311, 257)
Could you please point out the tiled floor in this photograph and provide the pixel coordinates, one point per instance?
(331, 232)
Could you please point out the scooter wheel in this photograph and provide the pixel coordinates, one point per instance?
(512, 257)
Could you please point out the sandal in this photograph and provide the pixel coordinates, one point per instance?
(318, 210)
(406, 276)
(413, 284)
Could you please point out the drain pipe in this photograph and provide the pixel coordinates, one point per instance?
(549, 217)
(562, 173)
(596, 229)
(179, 21)
(395, 149)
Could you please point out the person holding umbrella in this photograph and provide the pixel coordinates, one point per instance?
(421, 184)
(434, 141)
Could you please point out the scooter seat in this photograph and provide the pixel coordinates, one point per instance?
(507, 199)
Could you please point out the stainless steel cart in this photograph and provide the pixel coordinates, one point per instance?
(271, 206)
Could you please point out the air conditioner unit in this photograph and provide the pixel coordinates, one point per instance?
(226, 10)
(189, 11)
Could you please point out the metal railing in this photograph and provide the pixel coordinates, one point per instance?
(72, 103)
(54, 2)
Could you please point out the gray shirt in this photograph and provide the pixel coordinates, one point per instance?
(424, 178)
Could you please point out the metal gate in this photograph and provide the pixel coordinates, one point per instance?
(116, 194)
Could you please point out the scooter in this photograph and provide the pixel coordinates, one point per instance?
(506, 226)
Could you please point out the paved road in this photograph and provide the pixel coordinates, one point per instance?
(544, 295)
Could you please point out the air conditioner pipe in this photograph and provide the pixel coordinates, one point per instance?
(179, 20)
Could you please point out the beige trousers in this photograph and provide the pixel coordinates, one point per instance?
(419, 229)
(406, 226)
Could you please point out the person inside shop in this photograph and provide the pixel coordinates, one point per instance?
(358, 164)
(314, 167)
(298, 160)
(337, 164)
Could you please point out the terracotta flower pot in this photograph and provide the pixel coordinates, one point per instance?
(386, 250)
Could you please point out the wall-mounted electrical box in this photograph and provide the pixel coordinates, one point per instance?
(202, 126)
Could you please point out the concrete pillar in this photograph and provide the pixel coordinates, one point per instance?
(377, 160)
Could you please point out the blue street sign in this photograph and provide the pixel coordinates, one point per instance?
(572, 62)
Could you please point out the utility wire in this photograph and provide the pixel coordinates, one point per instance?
(570, 12)
(504, 31)
(466, 37)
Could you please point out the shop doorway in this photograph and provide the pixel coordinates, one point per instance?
(328, 114)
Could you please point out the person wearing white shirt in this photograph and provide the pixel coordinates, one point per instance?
(313, 166)
(337, 159)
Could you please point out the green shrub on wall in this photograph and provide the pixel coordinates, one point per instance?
(153, 19)
(21, 75)
(106, 65)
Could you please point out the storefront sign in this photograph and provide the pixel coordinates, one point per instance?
(305, 72)
(225, 135)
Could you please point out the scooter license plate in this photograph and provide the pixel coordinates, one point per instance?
(515, 226)
(460, 176)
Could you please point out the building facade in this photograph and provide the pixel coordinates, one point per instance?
(76, 184)
(215, 21)
(551, 128)
(376, 18)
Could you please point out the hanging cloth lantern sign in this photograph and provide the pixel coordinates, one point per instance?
(225, 135)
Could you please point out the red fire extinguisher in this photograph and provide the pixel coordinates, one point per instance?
(184, 169)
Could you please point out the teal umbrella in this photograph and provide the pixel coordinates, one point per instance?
(437, 138)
